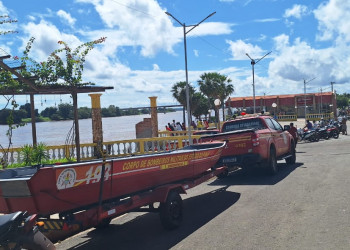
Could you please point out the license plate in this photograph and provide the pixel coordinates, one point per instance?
(231, 159)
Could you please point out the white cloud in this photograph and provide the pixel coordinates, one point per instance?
(46, 37)
(297, 11)
(239, 49)
(156, 67)
(196, 52)
(333, 19)
(266, 20)
(298, 61)
(66, 17)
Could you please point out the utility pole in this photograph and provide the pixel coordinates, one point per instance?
(321, 103)
(332, 83)
(305, 82)
(253, 62)
(189, 118)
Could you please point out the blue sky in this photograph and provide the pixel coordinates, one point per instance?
(143, 54)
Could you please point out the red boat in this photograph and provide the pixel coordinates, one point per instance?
(51, 189)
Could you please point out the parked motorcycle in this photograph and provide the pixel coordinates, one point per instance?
(333, 131)
(308, 135)
(323, 133)
(21, 231)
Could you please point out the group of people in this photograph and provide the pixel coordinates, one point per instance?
(200, 125)
(175, 126)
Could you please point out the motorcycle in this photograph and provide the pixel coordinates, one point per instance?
(21, 231)
(323, 133)
(333, 131)
(308, 135)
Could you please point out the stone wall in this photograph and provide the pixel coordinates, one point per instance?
(144, 128)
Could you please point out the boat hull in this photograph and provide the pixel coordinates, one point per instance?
(57, 189)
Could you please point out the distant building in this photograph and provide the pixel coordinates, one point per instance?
(287, 104)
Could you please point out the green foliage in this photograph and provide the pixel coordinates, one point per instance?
(26, 107)
(58, 72)
(84, 113)
(50, 161)
(179, 92)
(65, 110)
(27, 154)
(214, 85)
(343, 100)
(6, 19)
(34, 155)
(40, 153)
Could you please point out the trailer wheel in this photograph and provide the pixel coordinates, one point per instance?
(272, 162)
(170, 212)
(223, 174)
(103, 223)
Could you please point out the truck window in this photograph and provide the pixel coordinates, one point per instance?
(243, 124)
(270, 124)
(277, 125)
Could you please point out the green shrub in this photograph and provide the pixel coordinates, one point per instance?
(27, 154)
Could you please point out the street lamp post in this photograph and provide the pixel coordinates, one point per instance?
(253, 62)
(217, 104)
(305, 82)
(189, 119)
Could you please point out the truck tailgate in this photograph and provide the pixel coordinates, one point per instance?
(238, 142)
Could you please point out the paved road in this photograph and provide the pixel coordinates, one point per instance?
(305, 206)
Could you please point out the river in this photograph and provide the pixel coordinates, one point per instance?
(55, 132)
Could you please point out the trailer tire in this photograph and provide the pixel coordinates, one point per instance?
(103, 223)
(223, 174)
(170, 212)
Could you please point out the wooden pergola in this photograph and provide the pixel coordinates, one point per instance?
(33, 90)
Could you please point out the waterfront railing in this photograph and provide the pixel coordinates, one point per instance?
(113, 148)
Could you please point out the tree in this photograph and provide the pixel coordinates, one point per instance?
(343, 100)
(199, 104)
(26, 107)
(179, 92)
(84, 113)
(65, 110)
(49, 111)
(215, 86)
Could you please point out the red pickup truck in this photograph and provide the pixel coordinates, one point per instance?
(255, 140)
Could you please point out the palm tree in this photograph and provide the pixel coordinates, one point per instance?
(214, 85)
(179, 92)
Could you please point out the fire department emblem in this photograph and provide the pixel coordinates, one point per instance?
(66, 179)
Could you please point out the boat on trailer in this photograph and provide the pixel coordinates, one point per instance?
(65, 188)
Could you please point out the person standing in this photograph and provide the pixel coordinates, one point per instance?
(294, 132)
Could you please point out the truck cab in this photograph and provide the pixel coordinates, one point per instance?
(255, 140)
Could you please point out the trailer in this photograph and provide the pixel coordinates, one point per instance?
(164, 200)
(72, 197)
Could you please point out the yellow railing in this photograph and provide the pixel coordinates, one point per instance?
(287, 117)
(113, 148)
(317, 117)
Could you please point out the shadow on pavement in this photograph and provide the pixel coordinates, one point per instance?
(146, 232)
(257, 176)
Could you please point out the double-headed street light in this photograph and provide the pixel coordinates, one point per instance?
(189, 119)
(253, 62)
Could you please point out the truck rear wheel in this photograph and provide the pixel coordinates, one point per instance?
(170, 212)
(272, 162)
(291, 160)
